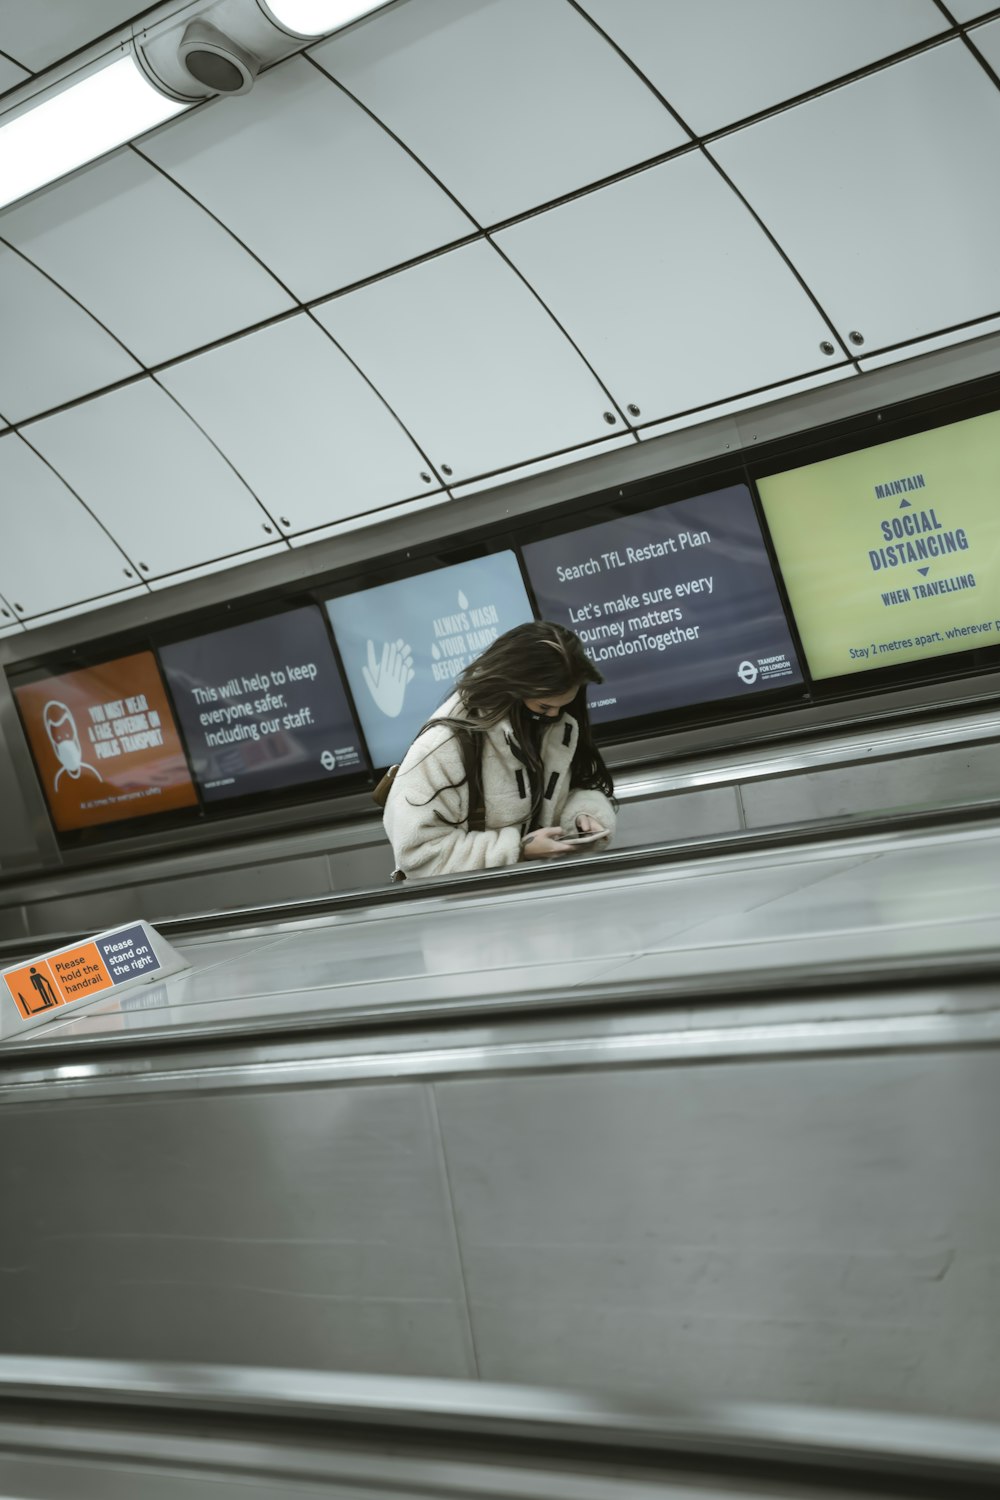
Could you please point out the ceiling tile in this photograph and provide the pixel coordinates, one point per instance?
(987, 39)
(306, 431)
(154, 480)
(84, 564)
(670, 288)
(470, 362)
(152, 265)
(51, 351)
(306, 178)
(968, 10)
(881, 194)
(509, 102)
(11, 75)
(38, 35)
(699, 55)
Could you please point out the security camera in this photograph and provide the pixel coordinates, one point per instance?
(218, 64)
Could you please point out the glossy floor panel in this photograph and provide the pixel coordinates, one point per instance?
(903, 898)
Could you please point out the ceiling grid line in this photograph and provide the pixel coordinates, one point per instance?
(193, 198)
(133, 573)
(700, 145)
(393, 137)
(384, 400)
(842, 80)
(696, 143)
(113, 34)
(983, 62)
(271, 525)
(813, 297)
(54, 281)
(858, 76)
(457, 355)
(961, 25)
(562, 329)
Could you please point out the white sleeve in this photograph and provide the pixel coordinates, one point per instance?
(426, 810)
(595, 805)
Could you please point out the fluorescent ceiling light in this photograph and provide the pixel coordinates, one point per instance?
(65, 130)
(317, 17)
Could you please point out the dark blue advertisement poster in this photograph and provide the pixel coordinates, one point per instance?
(677, 606)
(262, 706)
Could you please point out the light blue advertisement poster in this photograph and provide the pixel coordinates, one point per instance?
(403, 644)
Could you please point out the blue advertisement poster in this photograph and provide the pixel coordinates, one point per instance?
(677, 606)
(403, 644)
(262, 706)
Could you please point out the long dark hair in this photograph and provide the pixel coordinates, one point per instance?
(536, 660)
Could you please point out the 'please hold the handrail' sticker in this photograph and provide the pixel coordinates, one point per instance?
(40, 990)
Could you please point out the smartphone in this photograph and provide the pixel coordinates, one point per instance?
(583, 838)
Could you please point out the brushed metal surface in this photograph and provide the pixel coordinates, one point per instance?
(943, 779)
(95, 1428)
(651, 820)
(300, 1228)
(825, 1229)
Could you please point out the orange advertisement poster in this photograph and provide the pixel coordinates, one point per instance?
(50, 982)
(105, 743)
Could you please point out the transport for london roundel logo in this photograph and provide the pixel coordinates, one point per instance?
(747, 672)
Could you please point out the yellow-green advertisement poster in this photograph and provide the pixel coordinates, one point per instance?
(893, 554)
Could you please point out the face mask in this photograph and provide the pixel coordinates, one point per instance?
(545, 718)
(70, 754)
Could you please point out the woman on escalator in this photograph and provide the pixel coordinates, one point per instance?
(507, 769)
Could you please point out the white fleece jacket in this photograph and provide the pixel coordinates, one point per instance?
(426, 844)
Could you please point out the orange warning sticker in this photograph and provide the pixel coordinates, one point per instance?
(80, 971)
(71, 975)
(34, 989)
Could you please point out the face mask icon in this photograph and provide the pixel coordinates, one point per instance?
(65, 741)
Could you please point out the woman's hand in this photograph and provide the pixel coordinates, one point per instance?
(586, 824)
(544, 842)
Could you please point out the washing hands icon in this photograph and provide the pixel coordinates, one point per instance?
(388, 679)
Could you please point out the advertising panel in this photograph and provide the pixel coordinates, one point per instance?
(892, 554)
(677, 606)
(403, 644)
(105, 744)
(262, 706)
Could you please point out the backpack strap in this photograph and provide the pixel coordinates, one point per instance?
(471, 745)
(472, 761)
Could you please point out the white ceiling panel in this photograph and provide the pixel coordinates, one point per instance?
(309, 181)
(308, 434)
(968, 10)
(717, 61)
(470, 362)
(987, 39)
(11, 75)
(882, 193)
(51, 350)
(39, 34)
(101, 232)
(63, 556)
(154, 480)
(670, 288)
(509, 102)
